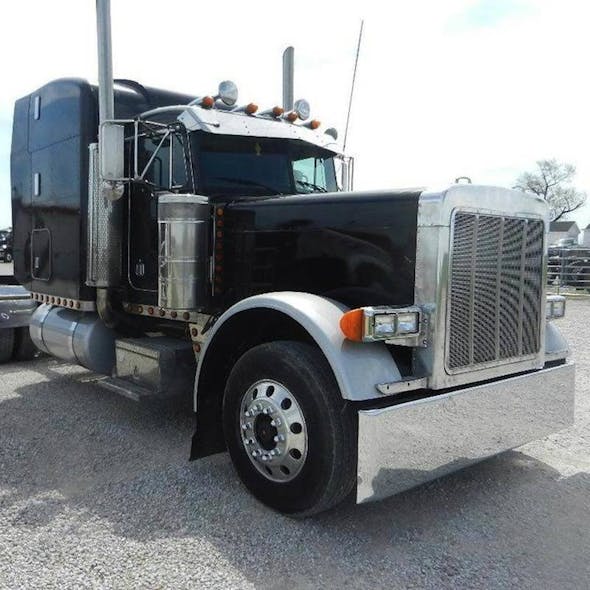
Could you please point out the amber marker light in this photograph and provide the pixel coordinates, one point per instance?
(351, 324)
(292, 117)
(277, 111)
(314, 124)
(251, 108)
(208, 102)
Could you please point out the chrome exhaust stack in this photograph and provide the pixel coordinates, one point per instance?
(106, 211)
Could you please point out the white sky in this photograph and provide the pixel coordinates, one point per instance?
(481, 88)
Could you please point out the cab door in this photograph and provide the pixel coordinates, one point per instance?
(162, 168)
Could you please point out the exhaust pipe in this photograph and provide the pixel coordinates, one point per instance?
(106, 101)
(106, 215)
(288, 78)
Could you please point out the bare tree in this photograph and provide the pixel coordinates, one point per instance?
(553, 181)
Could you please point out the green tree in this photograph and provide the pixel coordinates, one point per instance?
(553, 181)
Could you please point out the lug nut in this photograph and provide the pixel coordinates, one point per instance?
(279, 438)
(275, 422)
(247, 413)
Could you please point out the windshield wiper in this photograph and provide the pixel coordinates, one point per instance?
(246, 182)
(311, 185)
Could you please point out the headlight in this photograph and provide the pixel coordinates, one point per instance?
(408, 323)
(555, 307)
(368, 324)
(383, 325)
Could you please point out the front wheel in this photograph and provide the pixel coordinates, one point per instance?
(290, 435)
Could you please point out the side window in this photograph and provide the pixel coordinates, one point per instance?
(314, 175)
(166, 162)
(309, 173)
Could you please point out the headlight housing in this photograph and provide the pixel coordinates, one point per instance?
(555, 307)
(398, 325)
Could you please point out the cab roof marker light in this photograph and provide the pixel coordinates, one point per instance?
(313, 124)
(227, 95)
(206, 102)
(249, 108)
(275, 112)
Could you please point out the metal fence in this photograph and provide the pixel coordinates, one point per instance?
(568, 272)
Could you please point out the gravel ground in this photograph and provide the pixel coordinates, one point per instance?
(96, 492)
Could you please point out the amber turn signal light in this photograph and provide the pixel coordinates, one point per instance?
(251, 108)
(351, 324)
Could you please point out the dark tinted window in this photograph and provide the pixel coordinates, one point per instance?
(243, 166)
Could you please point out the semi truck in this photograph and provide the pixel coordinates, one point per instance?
(338, 343)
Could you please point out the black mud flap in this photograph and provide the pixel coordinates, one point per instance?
(208, 438)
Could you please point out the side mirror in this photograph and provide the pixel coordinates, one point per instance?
(111, 149)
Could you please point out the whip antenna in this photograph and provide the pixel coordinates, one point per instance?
(356, 61)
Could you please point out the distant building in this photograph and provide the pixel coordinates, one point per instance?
(561, 230)
(586, 236)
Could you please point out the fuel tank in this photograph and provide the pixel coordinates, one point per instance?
(74, 336)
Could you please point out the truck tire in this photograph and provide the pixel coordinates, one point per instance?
(6, 344)
(290, 435)
(24, 349)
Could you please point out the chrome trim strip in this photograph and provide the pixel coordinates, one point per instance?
(402, 386)
(405, 445)
(154, 311)
(54, 300)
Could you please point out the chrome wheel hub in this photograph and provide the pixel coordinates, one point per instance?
(273, 430)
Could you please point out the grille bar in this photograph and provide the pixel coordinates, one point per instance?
(495, 289)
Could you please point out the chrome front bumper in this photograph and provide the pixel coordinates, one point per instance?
(403, 446)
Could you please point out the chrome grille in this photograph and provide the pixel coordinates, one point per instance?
(495, 289)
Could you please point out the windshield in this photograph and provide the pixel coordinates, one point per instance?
(232, 165)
